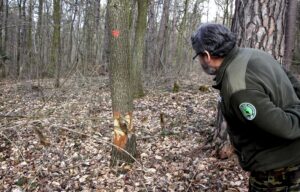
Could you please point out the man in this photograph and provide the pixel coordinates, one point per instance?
(260, 105)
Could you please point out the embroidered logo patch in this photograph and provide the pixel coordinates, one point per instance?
(248, 110)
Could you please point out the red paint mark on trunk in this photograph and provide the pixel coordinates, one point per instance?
(115, 33)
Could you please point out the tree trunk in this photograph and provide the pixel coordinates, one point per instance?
(180, 38)
(5, 27)
(55, 51)
(89, 42)
(162, 37)
(105, 46)
(150, 37)
(138, 50)
(39, 39)
(70, 51)
(19, 40)
(261, 25)
(98, 31)
(290, 31)
(122, 103)
(1, 23)
(30, 60)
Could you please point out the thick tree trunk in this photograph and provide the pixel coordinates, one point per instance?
(261, 25)
(138, 50)
(122, 103)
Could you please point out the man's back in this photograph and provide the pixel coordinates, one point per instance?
(256, 92)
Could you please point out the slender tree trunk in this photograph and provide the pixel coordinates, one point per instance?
(105, 46)
(138, 49)
(181, 34)
(30, 60)
(89, 43)
(226, 13)
(150, 38)
(1, 23)
(161, 38)
(18, 39)
(2, 53)
(70, 52)
(5, 27)
(98, 31)
(173, 37)
(290, 31)
(23, 48)
(55, 51)
(122, 103)
(39, 39)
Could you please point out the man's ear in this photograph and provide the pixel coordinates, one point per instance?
(206, 57)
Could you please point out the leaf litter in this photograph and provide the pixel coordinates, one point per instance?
(59, 140)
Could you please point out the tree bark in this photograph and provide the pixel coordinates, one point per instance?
(180, 38)
(162, 37)
(5, 27)
(98, 31)
(122, 102)
(55, 51)
(138, 50)
(89, 41)
(105, 45)
(150, 38)
(30, 61)
(19, 40)
(39, 39)
(1, 23)
(261, 25)
(290, 31)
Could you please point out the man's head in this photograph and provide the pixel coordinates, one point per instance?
(212, 42)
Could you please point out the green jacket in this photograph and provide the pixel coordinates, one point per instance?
(261, 108)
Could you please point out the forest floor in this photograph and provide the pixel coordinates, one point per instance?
(59, 140)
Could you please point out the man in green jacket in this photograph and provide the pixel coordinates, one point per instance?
(260, 104)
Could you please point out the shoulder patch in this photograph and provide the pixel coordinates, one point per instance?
(248, 110)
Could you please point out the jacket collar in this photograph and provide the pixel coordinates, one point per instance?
(221, 71)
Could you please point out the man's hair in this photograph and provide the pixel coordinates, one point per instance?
(214, 38)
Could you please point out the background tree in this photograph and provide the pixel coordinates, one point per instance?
(1, 22)
(138, 49)
(226, 8)
(119, 58)
(160, 53)
(290, 31)
(55, 50)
